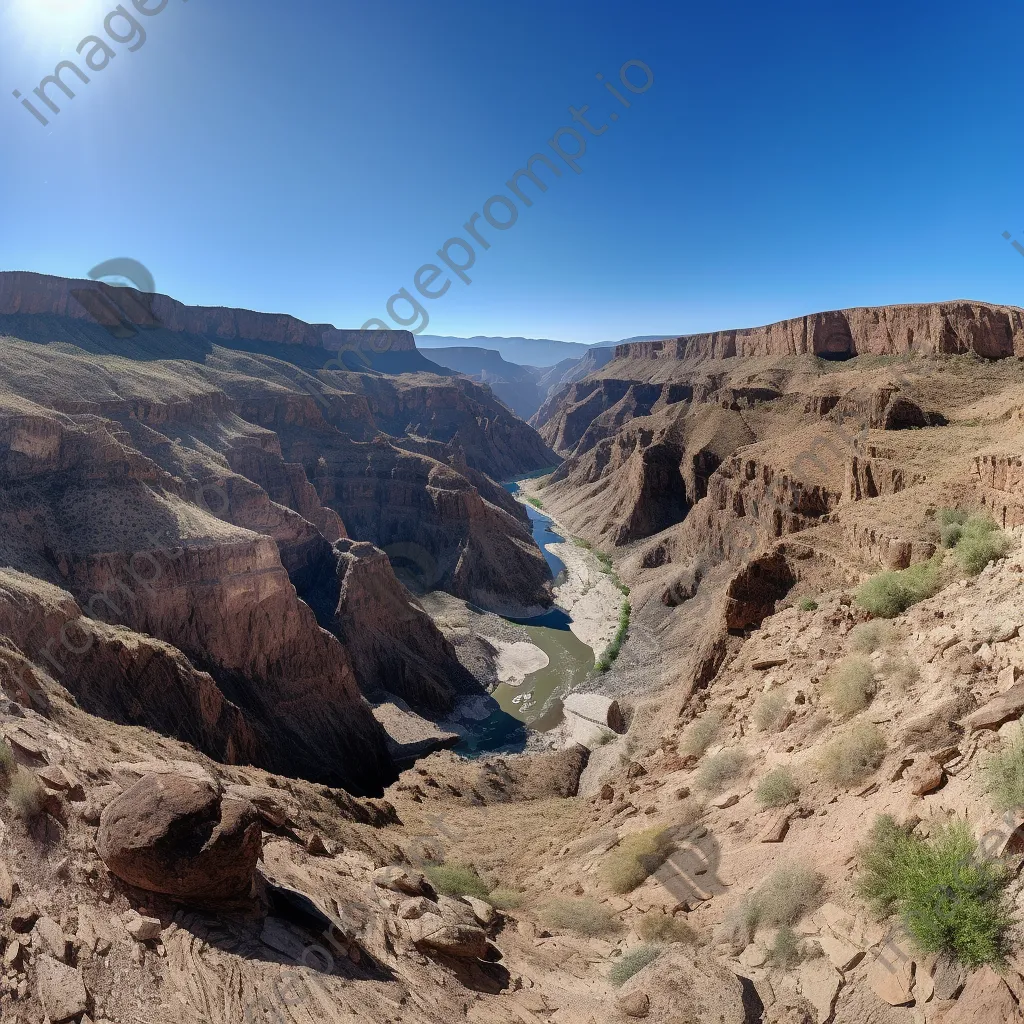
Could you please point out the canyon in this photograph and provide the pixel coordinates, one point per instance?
(229, 539)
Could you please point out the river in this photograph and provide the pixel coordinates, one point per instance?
(536, 703)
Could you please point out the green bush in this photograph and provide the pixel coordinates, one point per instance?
(949, 898)
(632, 962)
(657, 927)
(853, 756)
(952, 517)
(611, 652)
(456, 880)
(850, 687)
(716, 771)
(536, 502)
(981, 542)
(808, 604)
(770, 710)
(950, 534)
(777, 789)
(701, 733)
(635, 859)
(890, 593)
(1004, 774)
(583, 916)
(868, 637)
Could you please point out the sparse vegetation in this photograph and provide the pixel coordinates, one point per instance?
(8, 766)
(1004, 774)
(656, 927)
(783, 898)
(611, 652)
(981, 542)
(951, 522)
(788, 894)
(716, 771)
(701, 733)
(901, 673)
(770, 710)
(632, 962)
(635, 859)
(535, 502)
(581, 543)
(850, 687)
(583, 916)
(785, 952)
(457, 880)
(868, 637)
(25, 795)
(853, 756)
(808, 604)
(506, 899)
(777, 788)
(890, 593)
(949, 897)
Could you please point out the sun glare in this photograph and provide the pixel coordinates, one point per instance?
(35, 17)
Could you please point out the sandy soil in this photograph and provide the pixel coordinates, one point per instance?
(588, 595)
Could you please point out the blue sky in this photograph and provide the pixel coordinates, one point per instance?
(310, 157)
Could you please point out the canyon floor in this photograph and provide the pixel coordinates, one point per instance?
(209, 520)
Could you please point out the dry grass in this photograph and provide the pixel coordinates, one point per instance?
(777, 788)
(456, 880)
(850, 687)
(788, 894)
(716, 771)
(868, 637)
(583, 916)
(632, 962)
(635, 859)
(900, 673)
(770, 711)
(25, 795)
(1004, 774)
(853, 756)
(701, 733)
(8, 766)
(658, 927)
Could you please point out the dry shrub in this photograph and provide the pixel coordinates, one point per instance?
(632, 962)
(777, 788)
(716, 771)
(701, 733)
(657, 927)
(8, 766)
(26, 795)
(788, 894)
(770, 711)
(850, 687)
(853, 756)
(583, 916)
(900, 673)
(635, 859)
(868, 637)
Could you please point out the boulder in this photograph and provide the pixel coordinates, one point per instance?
(267, 801)
(399, 879)
(924, 776)
(1008, 706)
(635, 1004)
(61, 989)
(596, 709)
(986, 999)
(143, 929)
(431, 931)
(176, 835)
(687, 986)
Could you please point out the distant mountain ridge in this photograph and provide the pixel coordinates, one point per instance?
(540, 352)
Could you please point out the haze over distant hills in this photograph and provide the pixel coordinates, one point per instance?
(526, 351)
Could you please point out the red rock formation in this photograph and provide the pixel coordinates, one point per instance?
(990, 331)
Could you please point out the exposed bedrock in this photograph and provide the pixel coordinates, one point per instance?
(394, 645)
(942, 327)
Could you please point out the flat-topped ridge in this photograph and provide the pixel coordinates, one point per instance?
(946, 328)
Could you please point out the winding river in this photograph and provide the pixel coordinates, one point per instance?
(535, 703)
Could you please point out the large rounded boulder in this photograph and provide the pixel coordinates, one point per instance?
(182, 837)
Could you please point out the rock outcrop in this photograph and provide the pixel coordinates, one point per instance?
(179, 836)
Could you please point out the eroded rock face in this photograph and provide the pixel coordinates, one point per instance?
(941, 327)
(394, 645)
(179, 836)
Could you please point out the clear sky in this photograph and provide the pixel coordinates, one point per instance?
(309, 157)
